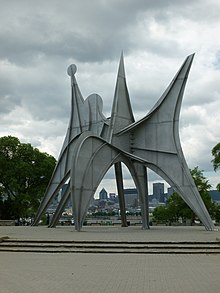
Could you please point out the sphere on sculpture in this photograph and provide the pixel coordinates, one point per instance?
(72, 70)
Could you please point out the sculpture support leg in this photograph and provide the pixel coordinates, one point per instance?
(60, 207)
(139, 174)
(121, 197)
(142, 187)
(90, 163)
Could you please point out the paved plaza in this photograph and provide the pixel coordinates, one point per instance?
(85, 272)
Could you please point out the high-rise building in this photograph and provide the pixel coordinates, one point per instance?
(131, 197)
(112, 196)
(103, 195)
(170, 191)
(158, 191)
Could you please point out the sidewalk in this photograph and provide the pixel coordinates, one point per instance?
(93, 273)
(117, 233)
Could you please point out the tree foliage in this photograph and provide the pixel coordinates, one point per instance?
(24, 176)
(216, 155)
(176, 208)
(203, 186)
(216, 160)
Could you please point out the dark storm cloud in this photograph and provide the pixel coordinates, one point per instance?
(89, 32)
(62, 33)
(40, 39)
(8, 103)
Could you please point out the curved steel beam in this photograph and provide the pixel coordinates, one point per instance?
(92, 160)
(85, 115)
(60, 207)
(156, 140)
(94, 143)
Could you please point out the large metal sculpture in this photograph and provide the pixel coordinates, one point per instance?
(94, 143)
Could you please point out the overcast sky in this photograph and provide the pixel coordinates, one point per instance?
(40, 39)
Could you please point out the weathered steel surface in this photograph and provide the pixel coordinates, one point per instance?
(94, 143)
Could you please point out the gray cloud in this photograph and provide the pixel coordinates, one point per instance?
(89, 32)
(39, 39)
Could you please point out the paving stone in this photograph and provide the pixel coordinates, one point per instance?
(115, 273)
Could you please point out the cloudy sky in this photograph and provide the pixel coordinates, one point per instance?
(40, 39)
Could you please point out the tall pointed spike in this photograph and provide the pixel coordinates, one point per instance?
(76, 124)
(121, 68)
(177, 85)
(122, 114)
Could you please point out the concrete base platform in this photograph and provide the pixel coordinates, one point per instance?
(117, 233)
(28, 272)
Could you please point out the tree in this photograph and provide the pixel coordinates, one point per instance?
(161, 215)
(217, 213)
(24, 176)
(216, 160)
(176, 207)
(203, 186)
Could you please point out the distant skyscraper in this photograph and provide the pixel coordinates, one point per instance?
(170, 191)
(112, 196)
(103, 195)
(131, 197)
(158, 191)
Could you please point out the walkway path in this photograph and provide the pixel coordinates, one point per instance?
(94, 273)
